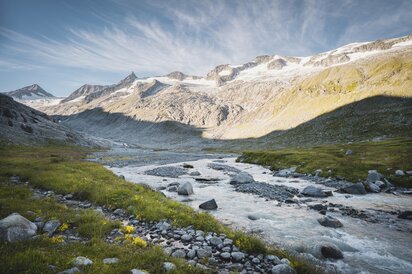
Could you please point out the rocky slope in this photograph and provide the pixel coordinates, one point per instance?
(29, 93)
(270, 93)
(20, 124)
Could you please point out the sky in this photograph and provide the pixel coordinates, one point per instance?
(63, 44)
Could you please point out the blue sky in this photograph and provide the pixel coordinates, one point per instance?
(62, 45)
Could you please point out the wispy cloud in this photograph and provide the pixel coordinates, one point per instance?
(193, 36)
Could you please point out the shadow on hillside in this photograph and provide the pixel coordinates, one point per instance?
(379, 116)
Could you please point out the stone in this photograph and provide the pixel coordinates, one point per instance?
(215, 241)
(179, 253)
(119, 212)
(172, 189)
(208, 205)
(110, 261)
(82, 261)
(318, 172)
(167, 171)
(194, 173)
(356, 189)
(405, 215)
(330, 251)
(186, 238)
(138, 271)
(380, 184)
(227, 242)
(225, 255)
(372, 187)
(349, 152)
(283, 269)
(399, 172)
(70, 271)
(167, 266)
(185, 189)
(241, 178)
(51, 226)
(318, 207)
(286, 171)
(191, 254)
(238, 256)
(313, 191)
(203, 253)
(187, 165)
(15, 228)
(255, 261)
(329, 221)
(374, 176)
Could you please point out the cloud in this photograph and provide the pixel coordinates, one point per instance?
(194, 36)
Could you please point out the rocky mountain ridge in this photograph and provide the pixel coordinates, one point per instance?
(30, 92)
(270, 93)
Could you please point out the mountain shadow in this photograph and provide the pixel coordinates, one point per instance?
(370, 118)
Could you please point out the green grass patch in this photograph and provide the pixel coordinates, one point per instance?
(385, 156)
(35, 256)
(65, 170)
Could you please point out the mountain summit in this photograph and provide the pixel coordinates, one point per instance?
(29, 93)
(129, 79)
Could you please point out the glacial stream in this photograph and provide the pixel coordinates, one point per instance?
(367, 247)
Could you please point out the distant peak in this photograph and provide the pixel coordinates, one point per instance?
(34, 87)
(129, 78)
(178, 75)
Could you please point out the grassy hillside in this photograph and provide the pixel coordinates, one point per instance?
(64, 170)
(384, 156)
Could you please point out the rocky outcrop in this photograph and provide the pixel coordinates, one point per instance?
(276, 64)
(83, 91)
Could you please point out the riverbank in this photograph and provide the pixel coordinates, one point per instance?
(349, 162)
(64, 171)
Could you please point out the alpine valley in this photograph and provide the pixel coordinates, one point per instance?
(283, 164)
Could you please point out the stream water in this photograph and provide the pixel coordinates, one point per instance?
(367, 247)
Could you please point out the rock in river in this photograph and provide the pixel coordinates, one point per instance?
(331, 251)
(358, 189)
(16, 228)
(209, 205)
(185, 189)
(241, 178)
(329, 221)
(167, 171)
(313, 191)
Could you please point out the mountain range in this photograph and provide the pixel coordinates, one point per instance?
(264, 98)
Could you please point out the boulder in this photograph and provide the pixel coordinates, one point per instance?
(51, 226)
(283, 269)
(194, 173)
(238, 256)
(372, 187)
(209, 205)
(374, 176)
(286, 171)
(110, 261)
(180, 253)
(241, 178)
(215, 241)
(405, 215)
(312, 191)
(329, 221)
(357, 189)
(187, 165)
(349, 152)
(82, 261)
(331, 251)
(318, 172)
(167, 266)
(185, 189)
(16, 228)
(399, 173)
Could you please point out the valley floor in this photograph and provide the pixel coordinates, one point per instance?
(92, 206)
